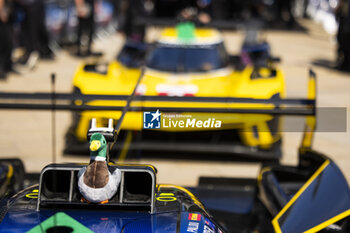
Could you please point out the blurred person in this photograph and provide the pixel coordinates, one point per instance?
(86, 27)
(168, 8)
(285, 13)
(86, 23)
(199, 12)
(343, 36)
(34, 33)
(6, 37)
(222, 9)
(131, 11)
(204, 11)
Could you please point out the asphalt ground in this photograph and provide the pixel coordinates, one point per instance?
(27, 134)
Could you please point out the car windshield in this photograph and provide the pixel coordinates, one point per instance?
(190, 58)
(132, 55)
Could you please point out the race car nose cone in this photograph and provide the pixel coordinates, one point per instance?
(95, 145)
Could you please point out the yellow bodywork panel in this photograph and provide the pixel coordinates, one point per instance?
(226, 82)
(120, 80)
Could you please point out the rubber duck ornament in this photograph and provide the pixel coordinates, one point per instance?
(96, 183)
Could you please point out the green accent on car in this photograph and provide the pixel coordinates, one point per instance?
(60, 219)
(185, 31)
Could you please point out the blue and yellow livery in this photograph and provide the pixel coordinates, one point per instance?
(311, 197)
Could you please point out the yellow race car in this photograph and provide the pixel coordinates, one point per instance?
(185, 62)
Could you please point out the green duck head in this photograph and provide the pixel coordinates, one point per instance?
(98, 147)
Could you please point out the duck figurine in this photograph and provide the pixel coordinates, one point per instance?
(95, 182)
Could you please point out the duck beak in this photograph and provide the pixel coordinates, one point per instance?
(95, 145)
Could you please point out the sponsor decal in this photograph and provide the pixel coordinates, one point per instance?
(194, 217)
(193, 227)
(158, 120)
(141, 89)
(176, 90)
(207, 229)
(210, 224)
(192, 223)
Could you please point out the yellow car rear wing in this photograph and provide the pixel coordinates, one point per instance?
(273, 106)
